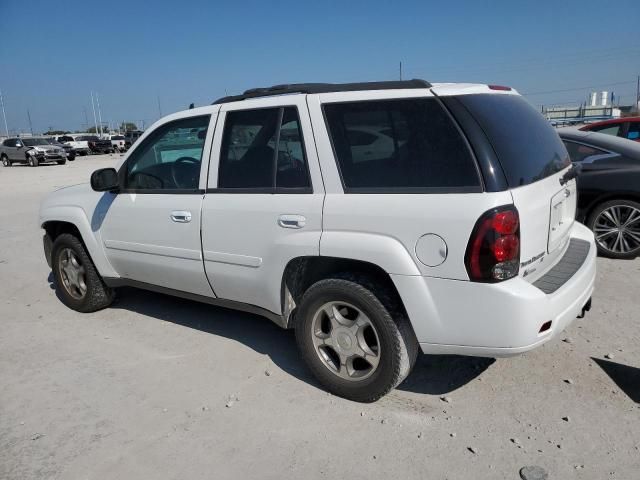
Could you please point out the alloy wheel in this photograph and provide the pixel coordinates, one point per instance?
(617, 229)
(72, 273)
(345, 340)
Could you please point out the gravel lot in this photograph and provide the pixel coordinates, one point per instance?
(156, 387)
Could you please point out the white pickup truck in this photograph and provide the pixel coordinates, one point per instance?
(80, 146)
(376, 219)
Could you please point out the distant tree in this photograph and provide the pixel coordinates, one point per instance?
(55, 132)
(93, 129)
(128, 126)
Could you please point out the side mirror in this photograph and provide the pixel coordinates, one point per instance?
(105, 180)
(18, 145)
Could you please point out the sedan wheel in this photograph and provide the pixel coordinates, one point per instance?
(616, 226)
(6, 162)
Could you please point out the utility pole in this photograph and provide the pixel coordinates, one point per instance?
(637, 95)
(86, 119)
(400, 69)
(4, 115)
(159, 108)
(30, 125)
(95, 120)
(99, 114)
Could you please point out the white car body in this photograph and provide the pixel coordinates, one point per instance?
(80, 146)
(118, 142)
(234, 248)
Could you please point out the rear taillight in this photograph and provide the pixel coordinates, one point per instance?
(493, 252)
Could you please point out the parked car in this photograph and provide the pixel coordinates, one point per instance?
(118, 142)
(460, 240)
(96, 144)
(32, 151)
(608, 189)
(81, 147)
(69, 150)
(628, 128)
(130, 137)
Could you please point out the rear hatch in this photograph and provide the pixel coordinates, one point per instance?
(534, 160)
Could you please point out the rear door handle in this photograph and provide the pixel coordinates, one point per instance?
(292, 221)
(181, 216)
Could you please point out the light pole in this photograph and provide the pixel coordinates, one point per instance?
(4, 115)
(95, 120)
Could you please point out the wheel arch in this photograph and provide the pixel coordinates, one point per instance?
(69, 219)
(302, 272)
(607, 197)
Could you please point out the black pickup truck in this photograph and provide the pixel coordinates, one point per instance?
(97, 145)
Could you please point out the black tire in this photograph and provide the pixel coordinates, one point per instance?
(398, 346)
(5, 161)
(97, 295)
(71, 158)
(32, 161)
(608, 250)
(61, 162)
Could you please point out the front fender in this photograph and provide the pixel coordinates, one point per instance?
(76, 216)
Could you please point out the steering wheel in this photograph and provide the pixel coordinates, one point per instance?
(185, 177)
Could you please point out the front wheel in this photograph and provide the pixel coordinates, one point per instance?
(357, 343)
(78, 283)
(33, 161)
(5, 161)
(61, 162)
(616, 226)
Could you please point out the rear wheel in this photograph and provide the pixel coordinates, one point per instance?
(355, 341)
(5, 161)
(616, 226)
(77, 281)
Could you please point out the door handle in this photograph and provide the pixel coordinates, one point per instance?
(292, 221)
(181, 216)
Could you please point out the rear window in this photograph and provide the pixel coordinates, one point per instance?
(528, 147)
(407, 145)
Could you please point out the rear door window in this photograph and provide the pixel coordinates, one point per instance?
(608, 129)
(580, 152)
(527, 146)
(408, 145)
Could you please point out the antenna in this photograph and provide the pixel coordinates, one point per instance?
(400, 69)
(4, 115)
(159, 108)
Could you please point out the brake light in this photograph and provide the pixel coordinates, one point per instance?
(499, 87)
(493, 252)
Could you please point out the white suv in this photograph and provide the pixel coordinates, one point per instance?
(376, 219)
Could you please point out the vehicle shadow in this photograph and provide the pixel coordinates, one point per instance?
(432, 374)
(627, 378)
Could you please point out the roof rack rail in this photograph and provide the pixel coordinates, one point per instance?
(323, 88)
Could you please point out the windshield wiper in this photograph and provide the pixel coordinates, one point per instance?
(572, 173)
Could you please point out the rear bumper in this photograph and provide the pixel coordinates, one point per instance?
(467, 318)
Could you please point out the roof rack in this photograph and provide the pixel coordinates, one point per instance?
(323, 88)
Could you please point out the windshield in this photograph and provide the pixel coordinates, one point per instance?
(32, 142)
(84, 138)
(117, 137)
(528, 147)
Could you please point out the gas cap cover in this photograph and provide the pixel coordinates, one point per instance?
(431, 250)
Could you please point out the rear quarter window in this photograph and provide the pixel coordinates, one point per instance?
(404, 146)
(528, 147)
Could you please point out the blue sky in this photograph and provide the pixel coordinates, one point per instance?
(53, 54)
